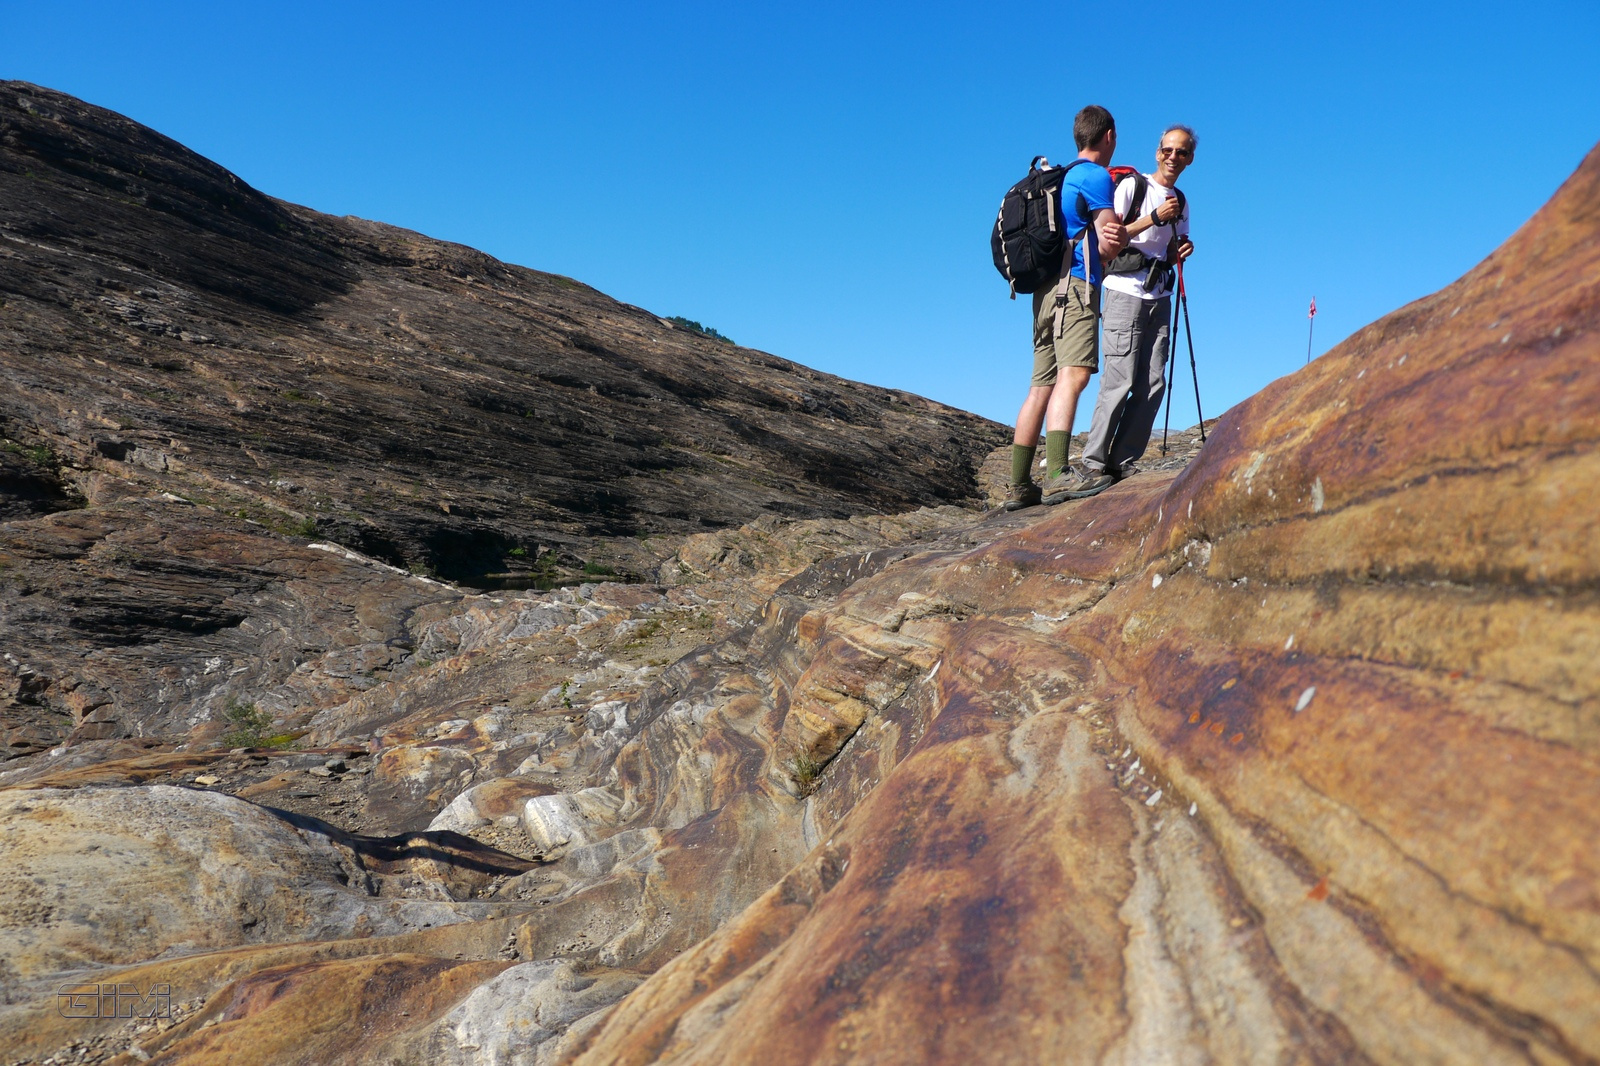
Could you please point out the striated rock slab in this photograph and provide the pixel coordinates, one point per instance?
(622, 889)
(110, 876)
(147, 617)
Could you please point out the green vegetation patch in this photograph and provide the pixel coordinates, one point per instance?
(694, 327)
(251, 728)
(40, 455)
(805, 770)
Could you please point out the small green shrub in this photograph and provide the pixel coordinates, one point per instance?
(250, 724)
(598, 569)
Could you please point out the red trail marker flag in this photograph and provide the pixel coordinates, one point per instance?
(1311, 325)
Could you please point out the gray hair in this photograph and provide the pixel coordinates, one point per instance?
(1194, 141)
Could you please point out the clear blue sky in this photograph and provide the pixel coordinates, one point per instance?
(817, 180)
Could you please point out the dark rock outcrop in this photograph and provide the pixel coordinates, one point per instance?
(165, 325)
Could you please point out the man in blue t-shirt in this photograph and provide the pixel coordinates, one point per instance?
(1065, 313)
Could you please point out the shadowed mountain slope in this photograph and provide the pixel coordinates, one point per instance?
(165, 324)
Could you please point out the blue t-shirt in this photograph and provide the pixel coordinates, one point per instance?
(1094, 182)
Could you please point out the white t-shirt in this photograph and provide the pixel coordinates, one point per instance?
(1153, 241)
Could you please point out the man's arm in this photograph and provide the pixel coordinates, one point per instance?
(1161, 216)
(1112, 233)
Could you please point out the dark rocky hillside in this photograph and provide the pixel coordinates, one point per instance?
(167, 328)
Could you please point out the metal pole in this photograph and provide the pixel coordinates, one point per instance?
(1166, 370)
(1310, 329)
(1188, 332)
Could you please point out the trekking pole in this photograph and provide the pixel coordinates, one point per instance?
(1172, 348)
(1188, 330)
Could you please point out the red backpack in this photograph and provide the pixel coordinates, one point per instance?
(1131, 260)
(1141, 185)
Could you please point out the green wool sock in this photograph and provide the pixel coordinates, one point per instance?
(1022, 464)
(1056, 442)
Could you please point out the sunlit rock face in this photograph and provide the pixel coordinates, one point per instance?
(1288, 757)
(1292, 758)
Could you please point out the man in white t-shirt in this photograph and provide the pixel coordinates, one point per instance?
(1136, 312)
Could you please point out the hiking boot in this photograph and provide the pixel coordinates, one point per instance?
(1092, 484)
(1058, 487)
(1126, 470)
(1075, 483)
(1020, 496)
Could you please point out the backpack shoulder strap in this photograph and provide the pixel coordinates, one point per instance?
(1183, 202)
(1140, 187)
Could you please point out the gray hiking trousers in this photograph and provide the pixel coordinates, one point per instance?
(1132, 382)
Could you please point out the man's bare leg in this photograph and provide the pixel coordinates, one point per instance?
(1031, 418)
(1063, 406)
(1059, 413)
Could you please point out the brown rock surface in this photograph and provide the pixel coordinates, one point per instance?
(1286, 757)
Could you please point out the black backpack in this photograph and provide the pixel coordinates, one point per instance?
(1029, 239)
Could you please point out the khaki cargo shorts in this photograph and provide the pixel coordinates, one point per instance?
(1074, 341)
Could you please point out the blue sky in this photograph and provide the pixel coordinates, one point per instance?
(818, 180)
